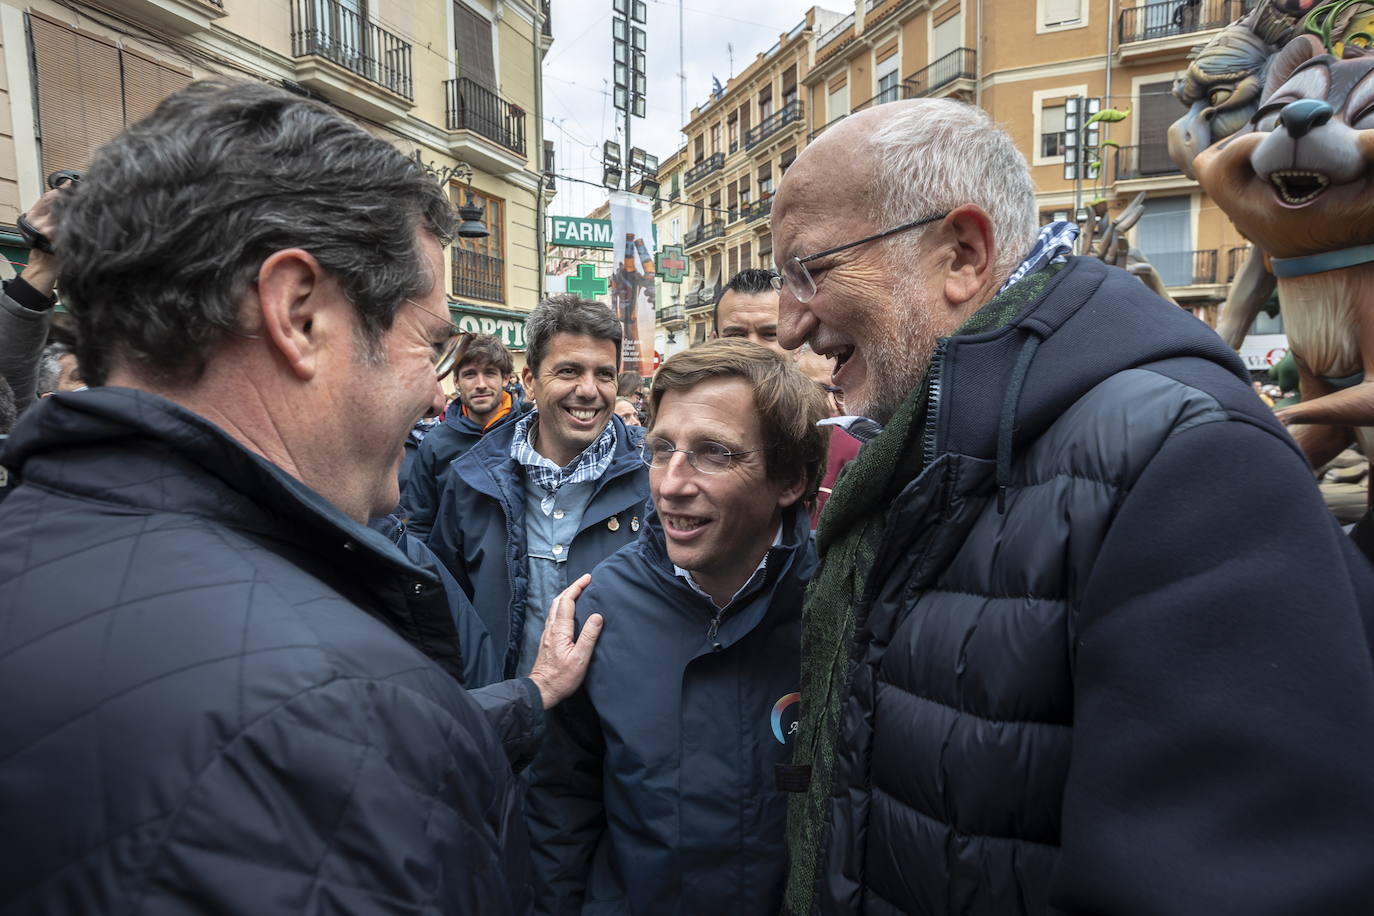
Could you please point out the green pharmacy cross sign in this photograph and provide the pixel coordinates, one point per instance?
(587, 284)
(672, 265)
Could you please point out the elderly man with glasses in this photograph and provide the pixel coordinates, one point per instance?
(232, 695)
(1083, 638)
(661, 797)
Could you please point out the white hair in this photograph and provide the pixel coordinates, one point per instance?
(938, 154)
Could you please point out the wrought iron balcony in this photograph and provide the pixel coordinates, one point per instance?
(328, 29)
(1234, 256)
(791, 113)
(822, 129)
(960, 64)
(704, 233)
(1149, 160)
(1177, 17)
(478, 276)
(906, 89)
(712, 163)
(672, 315)
(759, 208)
(1186, 268)
(472, 106)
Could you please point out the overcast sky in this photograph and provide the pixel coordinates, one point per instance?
(578, 114)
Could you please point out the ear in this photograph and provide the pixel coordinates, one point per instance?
(1294, 54)
(793, 491)
(969, 268)
(527, 377)
(291, 296)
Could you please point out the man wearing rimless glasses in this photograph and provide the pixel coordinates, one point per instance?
(1060, 656)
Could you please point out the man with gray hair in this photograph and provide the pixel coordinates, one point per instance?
(1042, 670)
(538, 502)
(236, 697)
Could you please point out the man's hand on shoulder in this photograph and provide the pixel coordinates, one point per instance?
(562, 661)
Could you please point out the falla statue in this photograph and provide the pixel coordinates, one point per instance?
(1295, 180)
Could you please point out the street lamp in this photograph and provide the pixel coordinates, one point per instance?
(471, 212)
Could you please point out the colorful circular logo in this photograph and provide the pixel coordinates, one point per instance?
(778, 708)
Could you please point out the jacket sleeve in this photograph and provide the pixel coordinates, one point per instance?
(420, 492)
(1224, 695)
(515, 711)
(446, 539)
(564, 806)
(23, 331)
(357, 796)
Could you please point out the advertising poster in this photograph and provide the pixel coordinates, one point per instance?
(632, 283)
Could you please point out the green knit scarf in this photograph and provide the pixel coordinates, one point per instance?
(851, 529)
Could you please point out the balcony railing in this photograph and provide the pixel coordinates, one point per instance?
(1234, 257)
(834, 31)
(472, 106)
(1186, 268)
(478, 276)
(822, 129)
(672, 314)
(546, 18)
(787, 114)
(906, 89)
(960, 64)
(1177, 17)
(711, 163)
(759, 208)
(1150, 160)
(704, 233)
(328, 29)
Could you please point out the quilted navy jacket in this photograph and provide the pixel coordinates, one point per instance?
(422, 482)
(656, 791)
(1141, 685)
(222, 694)
(479, 528)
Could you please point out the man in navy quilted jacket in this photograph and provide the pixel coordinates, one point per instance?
(1083, 637)
(227, 693)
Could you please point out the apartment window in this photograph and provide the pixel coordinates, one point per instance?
(675, 231)
(765, 181)
(734, 262)
(947, 37)
(732, 200)
(785, 160)
(479, 270)
(715, 139)
(472, 46)
(765, 103)
(88, 90)
(886, 79)
(699, 147)
(1060, 12)
(837, 102)
(1052, 130)
(745, 256)
(733, 129)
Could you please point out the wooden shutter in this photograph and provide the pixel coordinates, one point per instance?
(1058, 12)
(80, 102)
(1157, 110)
(745, 256)
(146, 83)
(472, 40)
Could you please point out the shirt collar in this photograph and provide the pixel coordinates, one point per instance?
(747, 586)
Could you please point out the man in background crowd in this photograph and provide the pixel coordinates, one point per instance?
(481, 405)
(747, 307)
(843, 447)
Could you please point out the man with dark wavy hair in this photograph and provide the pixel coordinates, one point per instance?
(237, 696)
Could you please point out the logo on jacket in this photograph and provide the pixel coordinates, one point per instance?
(780, 707)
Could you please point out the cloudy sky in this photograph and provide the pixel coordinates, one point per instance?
(578, 114)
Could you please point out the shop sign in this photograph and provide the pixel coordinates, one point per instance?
(508, 327)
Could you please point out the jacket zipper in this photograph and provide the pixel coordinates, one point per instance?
(937, 368)
(714, 629)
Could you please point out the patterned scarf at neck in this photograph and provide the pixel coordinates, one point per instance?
(589, 465)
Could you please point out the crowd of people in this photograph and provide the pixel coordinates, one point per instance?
(954, 574)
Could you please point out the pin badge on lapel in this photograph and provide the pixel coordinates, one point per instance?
(613, 524)
(634, 523)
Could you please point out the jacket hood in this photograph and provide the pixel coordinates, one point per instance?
(104, 443)
(1002, 388)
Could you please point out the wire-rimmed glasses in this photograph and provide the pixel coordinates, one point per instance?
(708, 457)
(798, 280)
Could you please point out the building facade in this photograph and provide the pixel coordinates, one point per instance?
(1020, 60)
(467, 104)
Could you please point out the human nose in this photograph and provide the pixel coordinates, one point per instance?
(677, 477)
(438, 400)
(586, 387)
(795, 321)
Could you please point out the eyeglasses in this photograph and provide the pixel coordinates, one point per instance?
(829, 389)
(708, 457)
(448, 352)
(798, 280)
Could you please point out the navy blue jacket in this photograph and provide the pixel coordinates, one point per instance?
(423, 478)
(656, 791)
(224, 694)
(479, 530)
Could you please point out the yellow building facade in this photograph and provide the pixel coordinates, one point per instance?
(456, 84)
(1020, 60)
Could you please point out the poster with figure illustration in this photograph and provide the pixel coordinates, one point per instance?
(632, 283)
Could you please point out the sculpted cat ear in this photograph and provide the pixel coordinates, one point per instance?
(1294, 54)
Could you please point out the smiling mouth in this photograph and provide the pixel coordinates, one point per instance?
(582, 413)
(684, 523)
(1296, 187)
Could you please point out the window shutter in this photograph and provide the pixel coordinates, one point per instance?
(746, 259)
(80, 102)
(1062, 11)
(147, 83)
(1157, 110)
(472, 40)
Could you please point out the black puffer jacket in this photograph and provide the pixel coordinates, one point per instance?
(223, 695)
(1145, 686)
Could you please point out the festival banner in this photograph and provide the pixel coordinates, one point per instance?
(632, 283)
